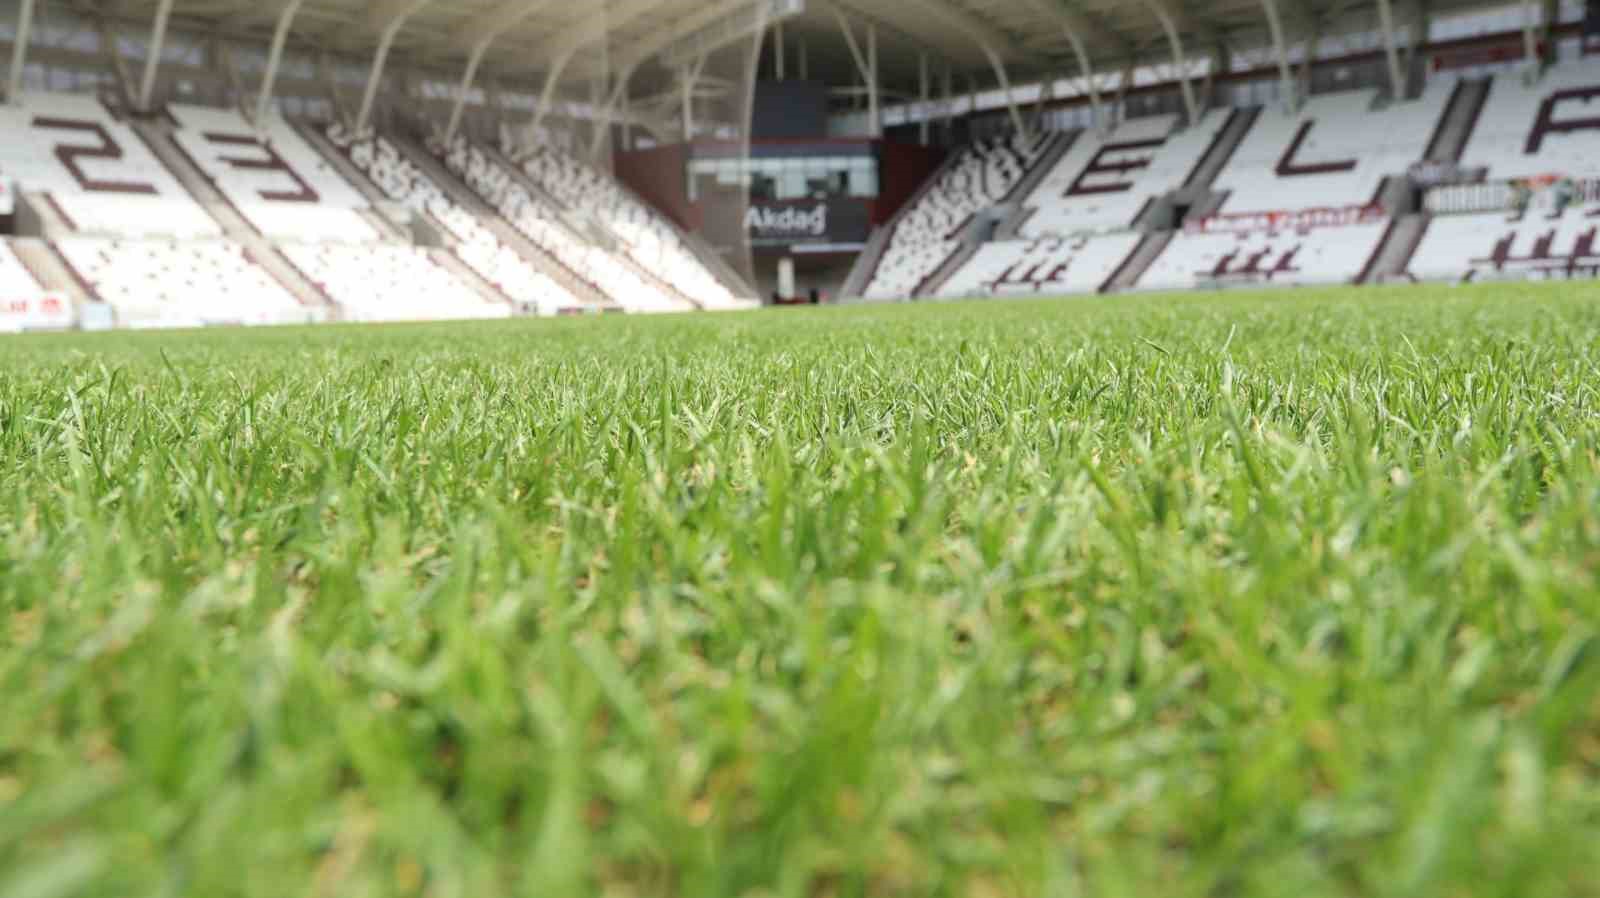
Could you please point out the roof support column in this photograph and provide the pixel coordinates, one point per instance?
(280, 37)
(1530, 38)
(152, 62)
(473, 61)
(385, 41)
(874, 97)
(924, 111)
(778, 52)
(690, 77)
(19, 51)
(999, 66)
(1086, 67)
(949, 104)
(1170, 26)
(867, 64)
(1281, 48)
(805, 61)
(1397, 74)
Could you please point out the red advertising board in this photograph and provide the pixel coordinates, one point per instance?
(43, 311)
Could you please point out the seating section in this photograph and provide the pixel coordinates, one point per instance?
(475, 245)
(15, 278)
(649, 239)
(1047, 265)
(1320, 256)
(388, 282)
(1551, 127)
(1491, 247)
(929, 232)
(273, 177)
(1334, 153)
(152, 283)
(536, 219)
(96, 170)
(1104, 182)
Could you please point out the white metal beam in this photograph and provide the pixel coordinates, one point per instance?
(152, 62)
(1071, 28)
(1397, 75)
(19, 50)
(1281, 49)
(1169, 24)
(398, 11)
(280, 37)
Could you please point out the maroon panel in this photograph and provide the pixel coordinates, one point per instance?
(272, 162)
(1546, 123)
(106, 148)
(902, 169)
(660, 177)
(1288, 168)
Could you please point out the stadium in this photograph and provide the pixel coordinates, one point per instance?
(799, 447)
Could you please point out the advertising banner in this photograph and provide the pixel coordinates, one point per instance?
(44, 311)
(781, 224)
(1298, 220)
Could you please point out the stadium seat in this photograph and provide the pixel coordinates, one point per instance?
(152, 283)
(388, 282)
(475, 245)
(1551, 127)
(273, 177)
(1104, 183)
(1335, 153)
(540, 223)
(1320, 256)
(15, 278)
(648, 238)
(97, 171)
(926, 234)
(1540, 245)
(1045, 265)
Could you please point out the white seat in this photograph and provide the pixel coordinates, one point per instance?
(476, 245)
(540, 223)
(1514, 137)
(926, 235)
(1541, 245)
(1334, 153)
(1046, 265)
(273, 177)
(385, 282)
(97, 171)
(1102, 183)
(151, 283)
(1320, 256)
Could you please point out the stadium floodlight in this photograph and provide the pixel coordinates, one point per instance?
(741, 23)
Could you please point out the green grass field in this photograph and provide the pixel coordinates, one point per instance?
(1279, 594)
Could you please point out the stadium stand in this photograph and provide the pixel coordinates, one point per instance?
(24, 302)
(541, 223)
(649, 239)
(150, 283)
(1049, 265)
(1289, 257)
(273, 178)
(980, 175)
(94, 170)
(474, 243)
(1103, 183)
(1539, 134)
(385, 282)
(15, 279)
(1334, 153)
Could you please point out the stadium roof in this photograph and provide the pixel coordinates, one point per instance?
(526, 38)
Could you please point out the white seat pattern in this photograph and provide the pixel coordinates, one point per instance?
(539, 222)
(925, 236)
(1103, 182)
(1046, 265)
(1320, 256)
(99, 173)
(406, 183)
(388, 282)
(647, 237)
(151, 283)
(273, 177)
